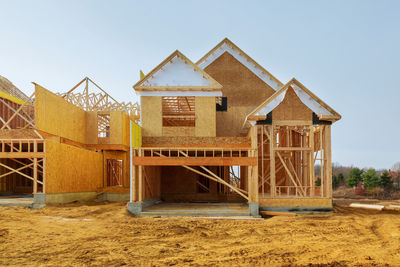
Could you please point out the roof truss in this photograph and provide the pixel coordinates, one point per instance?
(91, 97)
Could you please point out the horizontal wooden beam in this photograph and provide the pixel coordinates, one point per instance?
(292, 148)
(21, 155)
(204, 161)
(220, 145)
(291, 122)
(108, 147)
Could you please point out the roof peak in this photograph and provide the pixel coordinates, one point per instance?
(177, 72)
(226, 45)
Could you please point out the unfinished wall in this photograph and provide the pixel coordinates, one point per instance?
(244, 90)
(124, 156)
(91, 127)
(152, 182)
(180, 184)
(151, 113)
(15, 182)
(291, 108)
(205, 116)
(56, 116)
(178, 131)
(72, 169)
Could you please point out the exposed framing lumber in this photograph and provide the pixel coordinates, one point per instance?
(101, 101)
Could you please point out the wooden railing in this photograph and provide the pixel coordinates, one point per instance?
(194, 152)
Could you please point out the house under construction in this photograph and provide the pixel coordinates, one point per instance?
(225, 129)
(65, 147)
(222, 129)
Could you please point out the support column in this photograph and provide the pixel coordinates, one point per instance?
(272, 160)
(35, 169)
(253, 175)
(140, 186)
(328, 161)
(311, 161)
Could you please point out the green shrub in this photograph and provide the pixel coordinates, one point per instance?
(354, 177)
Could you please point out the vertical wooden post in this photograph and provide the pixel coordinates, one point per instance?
(262, 159)
(311, 161)
(140, 186)
(328, 160)
(132, 172)
(322, 152)
(35, 169)
(272, 160)
(134, 184)
(44, 168)
(252, 174)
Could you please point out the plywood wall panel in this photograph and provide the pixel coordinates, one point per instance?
(56, 116)
(244, 90)
(72, 169)
(91, 127)
(178, 131)
(151, 115)
(116, 127)
(231, 122)
(205, 116)
(291, 108)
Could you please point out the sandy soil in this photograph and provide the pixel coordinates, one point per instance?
(108, 235)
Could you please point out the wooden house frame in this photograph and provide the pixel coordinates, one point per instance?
(57, 144)
(260, 152)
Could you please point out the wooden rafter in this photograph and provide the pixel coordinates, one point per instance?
(101, 101)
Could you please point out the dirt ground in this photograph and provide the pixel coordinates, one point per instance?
(107, 235)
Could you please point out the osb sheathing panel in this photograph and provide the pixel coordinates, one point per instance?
(244, 90)
(240, 85)
(126, 129)
(116, 127)
(72, 169)
(205, 116)
(152, 182)
(151, 115)
(291, 108)
(56, 116)
(91, 127)
(295, 202)
(124, 156)
(230, 123)
(178, 131)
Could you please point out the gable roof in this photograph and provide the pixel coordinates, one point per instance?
(318, 106)
(227, 45)
(177, 73)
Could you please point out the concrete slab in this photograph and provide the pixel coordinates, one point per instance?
(197, 209)
(16, 201)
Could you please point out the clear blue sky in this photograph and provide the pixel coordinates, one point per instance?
(346, 52)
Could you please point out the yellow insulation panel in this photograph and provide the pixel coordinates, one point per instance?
(11, 98)
(136, 135)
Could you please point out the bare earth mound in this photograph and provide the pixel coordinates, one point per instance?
(108, 235)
